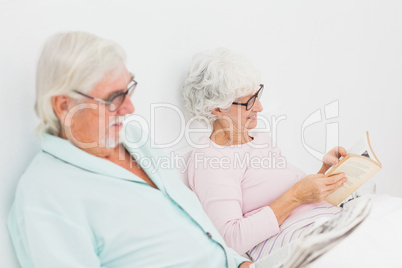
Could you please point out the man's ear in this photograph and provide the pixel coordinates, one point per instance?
(60, 105)
(217, 112)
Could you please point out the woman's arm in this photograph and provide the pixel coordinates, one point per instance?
(311, 189)
(220, 193)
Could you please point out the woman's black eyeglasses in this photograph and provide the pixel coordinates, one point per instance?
(250, 103)
(116, 100)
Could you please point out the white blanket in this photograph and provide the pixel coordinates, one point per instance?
(377, 242)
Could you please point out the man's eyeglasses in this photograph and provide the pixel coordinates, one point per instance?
(250, 103)
(116, 100)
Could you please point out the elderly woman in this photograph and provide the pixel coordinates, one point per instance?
(256, 209)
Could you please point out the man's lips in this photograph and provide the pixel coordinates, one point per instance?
(118, 125)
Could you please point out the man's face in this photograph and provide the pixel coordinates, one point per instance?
(93, 126)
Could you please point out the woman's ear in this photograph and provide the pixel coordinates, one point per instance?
(217, 112)
(60, 105)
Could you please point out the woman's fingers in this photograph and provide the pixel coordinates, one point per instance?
(342, 152)
(337, 185)
(330, 188)
(338, 151)
(334, 178)
(332, 157)
(316, 187)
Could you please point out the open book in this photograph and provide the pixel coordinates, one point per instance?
(359, 166)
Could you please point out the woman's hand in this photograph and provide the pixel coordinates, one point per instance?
(332, 158)
(316, 187)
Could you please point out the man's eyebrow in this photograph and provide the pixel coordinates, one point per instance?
(114, 93)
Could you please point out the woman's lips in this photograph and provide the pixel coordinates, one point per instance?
(254, 117)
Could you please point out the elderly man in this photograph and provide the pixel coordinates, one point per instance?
(84, 201)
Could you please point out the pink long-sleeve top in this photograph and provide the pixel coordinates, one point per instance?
(236, 184)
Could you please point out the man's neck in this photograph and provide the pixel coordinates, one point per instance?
(115, 154)
(119, 156)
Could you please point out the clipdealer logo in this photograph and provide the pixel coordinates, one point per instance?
(329, 113)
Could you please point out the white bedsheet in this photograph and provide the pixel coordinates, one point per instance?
(377, 242)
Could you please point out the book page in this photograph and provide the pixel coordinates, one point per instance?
(358, 170)
(359, 147)
(363, 147)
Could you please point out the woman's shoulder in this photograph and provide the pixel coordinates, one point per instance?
(207, 155)
(208, 147)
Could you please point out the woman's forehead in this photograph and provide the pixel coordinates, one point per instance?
(249, 94)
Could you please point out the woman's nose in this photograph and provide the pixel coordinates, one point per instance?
(257, 106)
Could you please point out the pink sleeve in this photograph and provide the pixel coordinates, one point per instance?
(220, 193)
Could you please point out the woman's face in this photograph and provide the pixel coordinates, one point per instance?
(238, 116)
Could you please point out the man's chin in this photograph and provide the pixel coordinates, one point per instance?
(113, 142)
(112, 145)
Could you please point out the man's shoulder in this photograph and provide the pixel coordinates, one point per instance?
(44, 163)
(46, 175)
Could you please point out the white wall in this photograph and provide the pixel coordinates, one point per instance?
(310, 53)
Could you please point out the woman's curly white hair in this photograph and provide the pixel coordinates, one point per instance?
(216, 79)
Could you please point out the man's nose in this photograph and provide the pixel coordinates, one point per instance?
(126, 107)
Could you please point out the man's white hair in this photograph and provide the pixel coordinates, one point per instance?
(217, 78)
(72, 61)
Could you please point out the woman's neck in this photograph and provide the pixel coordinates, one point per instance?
(228, 135)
